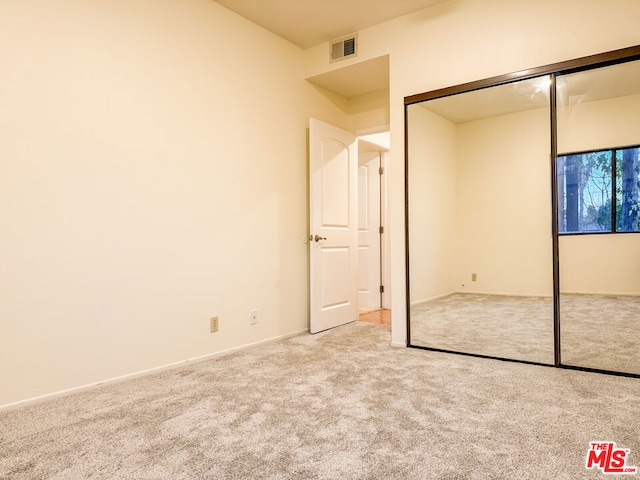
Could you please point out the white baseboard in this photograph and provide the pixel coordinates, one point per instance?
(511, 294)
(431, 299)
(130, 376)
(605, 294)
(497, 294)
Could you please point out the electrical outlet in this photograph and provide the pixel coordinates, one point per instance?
(214, 324)
(474, 277)
(253, 317)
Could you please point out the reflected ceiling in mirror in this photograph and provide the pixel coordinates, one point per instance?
(493, 101)
(613, 81)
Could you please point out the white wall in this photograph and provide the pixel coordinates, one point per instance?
(480, 201)
(458, 41)
(432, 199)
(600, 264)
(153, 159)
(503, 205)
(601, 124)
(369, 112)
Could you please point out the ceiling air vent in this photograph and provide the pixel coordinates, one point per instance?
(344, 48)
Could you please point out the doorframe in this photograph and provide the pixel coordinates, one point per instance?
(385, 240)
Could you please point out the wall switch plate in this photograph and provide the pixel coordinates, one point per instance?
(214, 324)
(474, 277)
(253, 317)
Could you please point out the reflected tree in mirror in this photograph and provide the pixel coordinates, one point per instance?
(584, 192)
(628, 184)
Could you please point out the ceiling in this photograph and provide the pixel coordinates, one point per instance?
(307, 23)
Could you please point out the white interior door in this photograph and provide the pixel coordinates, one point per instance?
(333, 244)
(369, 282)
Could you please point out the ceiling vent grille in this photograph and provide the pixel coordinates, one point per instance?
(344, 48)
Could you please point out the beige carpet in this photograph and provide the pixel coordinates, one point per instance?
(597, 331)
(519, 328)
(342, 404)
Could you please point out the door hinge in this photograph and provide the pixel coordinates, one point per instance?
(381, 170)
(381, 288)
(381, 229)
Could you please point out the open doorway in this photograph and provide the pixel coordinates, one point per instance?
(373, 245)
(340, 237)
(361, 91)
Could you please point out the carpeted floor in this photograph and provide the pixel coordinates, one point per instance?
(597, 331)
(601, 331)
(341, 404)
(520, 328)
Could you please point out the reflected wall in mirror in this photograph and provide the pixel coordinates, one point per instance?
(479, 228)
(598, 180)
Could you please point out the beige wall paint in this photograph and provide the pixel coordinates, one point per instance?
(503, 205)
(600, 124)
(365, 113)
(432, 199)
(600, 264)
(369, 112)
(458, 41)
(153, 159)
(480, 202)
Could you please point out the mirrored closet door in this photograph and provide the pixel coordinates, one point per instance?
(479, 234)
(523, 215)
(598, 180)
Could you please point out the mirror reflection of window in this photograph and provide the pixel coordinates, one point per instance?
(586, 197)
(598, 181)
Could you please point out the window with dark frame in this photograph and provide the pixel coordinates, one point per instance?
(598, 191)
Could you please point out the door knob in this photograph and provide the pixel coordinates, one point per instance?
(317, 238)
